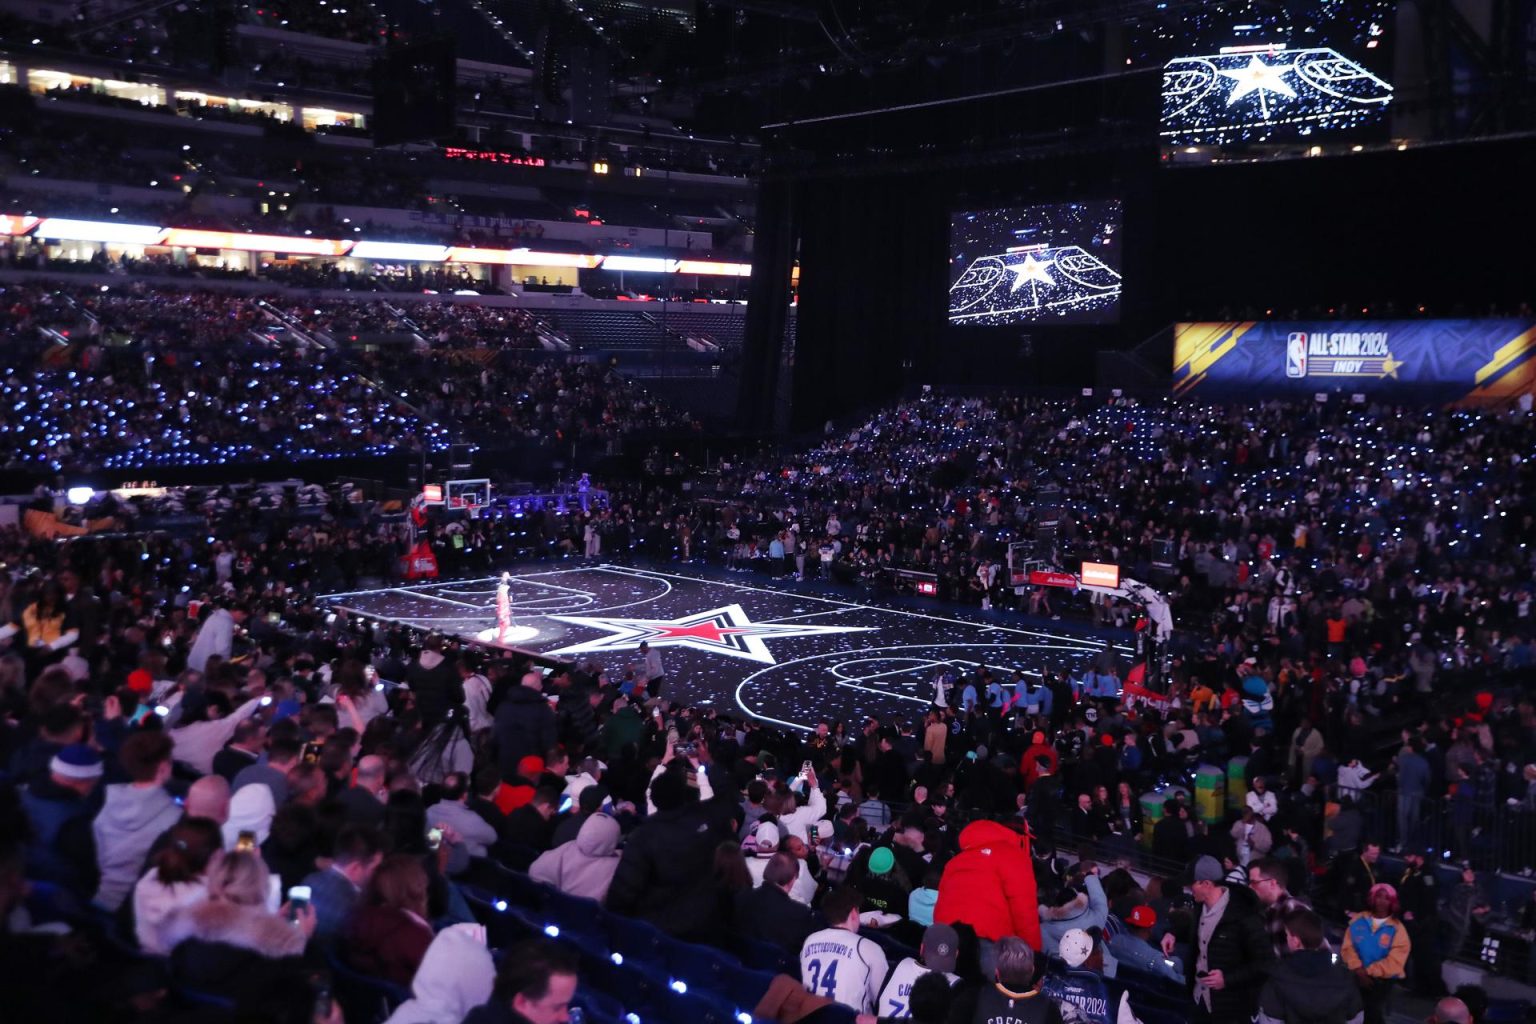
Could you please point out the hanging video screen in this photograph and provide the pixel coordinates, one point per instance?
(1255, 71)
(1056, 263)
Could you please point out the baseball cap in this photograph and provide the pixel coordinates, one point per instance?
(941, 948)
(1141, 917)
(881, 861)
(767, 836)
(140, 681)
(1076, 947)
(77, 761)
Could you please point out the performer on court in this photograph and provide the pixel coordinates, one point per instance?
(503, 607)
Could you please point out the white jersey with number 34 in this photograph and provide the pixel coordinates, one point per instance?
(844, 967)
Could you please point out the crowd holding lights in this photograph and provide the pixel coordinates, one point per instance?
(1428, 625)
(144, 377)
(1393, 506)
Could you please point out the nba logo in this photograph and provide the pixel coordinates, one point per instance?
(1296, 355)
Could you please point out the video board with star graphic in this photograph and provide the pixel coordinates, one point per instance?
(1245, 71)
(1055, 263)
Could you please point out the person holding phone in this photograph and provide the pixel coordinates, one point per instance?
(1233, 954)
(230, 937)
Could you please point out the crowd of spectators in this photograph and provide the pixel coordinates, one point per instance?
(160, 377)
(1351, 592)
(189, 736)
(143, 376)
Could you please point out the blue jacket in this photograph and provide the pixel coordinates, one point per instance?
(1132, 952)
(1412, 773)
(1087, 910)
(334, 898)
(1085, 992)
(63, 851)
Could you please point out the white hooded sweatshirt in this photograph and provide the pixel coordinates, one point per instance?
(455, 976)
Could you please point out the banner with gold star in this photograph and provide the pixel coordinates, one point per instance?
(1480, 361)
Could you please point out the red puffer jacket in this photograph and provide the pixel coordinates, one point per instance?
(990, 885)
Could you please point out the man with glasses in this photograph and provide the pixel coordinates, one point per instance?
(1267, 878)
(1233, 955)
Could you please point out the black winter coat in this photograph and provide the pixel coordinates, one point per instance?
(438, 689)
(1241, 950)
(769, 915)
(1307, 987)
(666, 873)
(525, 724)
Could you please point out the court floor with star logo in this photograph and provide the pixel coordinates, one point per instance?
(775, 652)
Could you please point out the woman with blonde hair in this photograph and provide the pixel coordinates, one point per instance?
(234, 914)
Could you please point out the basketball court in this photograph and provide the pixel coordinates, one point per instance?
(776, 653)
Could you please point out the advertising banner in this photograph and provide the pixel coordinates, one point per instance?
(1482, 362)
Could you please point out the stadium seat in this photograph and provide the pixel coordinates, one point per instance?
(895, 950)
(697, 1006)
(565, 907)
(764, 956)
(599, 1005)
(503, 927)
(699, 966)
(637, 940)
(517, 888)
(745, 986)
(363, 998)
(639, 990)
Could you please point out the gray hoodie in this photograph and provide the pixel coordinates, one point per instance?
(585, 865)
(476, 833)
(128, 824)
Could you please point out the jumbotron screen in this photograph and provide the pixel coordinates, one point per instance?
(1051, 264)
(1247, 71)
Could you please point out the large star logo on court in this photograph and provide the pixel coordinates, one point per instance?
(1258, 77)
(724, 630)
(1030, 270)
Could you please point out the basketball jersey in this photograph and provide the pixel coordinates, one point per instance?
(1081, 995)
(895, 997)
(997, 1005)
(844, 967)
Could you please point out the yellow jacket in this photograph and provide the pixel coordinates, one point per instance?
(1388, 965)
